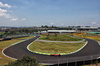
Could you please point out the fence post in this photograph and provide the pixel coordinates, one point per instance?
(91, 60)
(84, 61)
(58, 62)
(76, 62)
(67, 62)
(48, 62)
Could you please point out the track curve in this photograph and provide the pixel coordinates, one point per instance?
(19, 50)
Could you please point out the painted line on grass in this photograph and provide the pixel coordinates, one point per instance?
(62, 41)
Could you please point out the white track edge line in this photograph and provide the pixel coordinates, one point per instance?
(10, 46)
(65, 54)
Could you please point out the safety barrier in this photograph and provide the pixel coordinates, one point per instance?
(75, 60)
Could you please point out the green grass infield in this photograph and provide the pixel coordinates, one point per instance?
(58, 37)
(48, 48)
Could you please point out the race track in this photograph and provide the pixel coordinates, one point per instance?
(91, 50)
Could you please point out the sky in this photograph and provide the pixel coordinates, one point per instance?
(20, 13)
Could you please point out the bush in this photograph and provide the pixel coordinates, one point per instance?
(25, 61)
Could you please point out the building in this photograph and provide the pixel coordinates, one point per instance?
(87, 28)
(61, 31)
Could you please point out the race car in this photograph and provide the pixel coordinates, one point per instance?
(54, 54)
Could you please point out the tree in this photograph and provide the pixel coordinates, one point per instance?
(46, 26)
(6, 33)
(25, 61)
(13, 32)
(42, 26)
(1, 36)
(55, 34)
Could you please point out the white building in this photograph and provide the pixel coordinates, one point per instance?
(61, 31)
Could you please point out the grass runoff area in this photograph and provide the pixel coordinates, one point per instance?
(58, 37)
(3, 44)
(55, 47)
(92, 36)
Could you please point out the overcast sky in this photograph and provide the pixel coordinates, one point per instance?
(50, 12)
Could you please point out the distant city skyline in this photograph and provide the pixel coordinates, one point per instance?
(49, 12)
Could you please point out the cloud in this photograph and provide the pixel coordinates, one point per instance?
(93, 23)
(52, 23)
(2, 10)
(13, 19)
(5, 5)
(23, 19)
(62, 24)
(3, 13)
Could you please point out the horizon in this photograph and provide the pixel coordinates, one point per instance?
(52, 25)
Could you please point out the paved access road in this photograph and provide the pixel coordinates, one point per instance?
(88, 52)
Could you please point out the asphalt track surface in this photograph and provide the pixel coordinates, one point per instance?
(90, 51)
